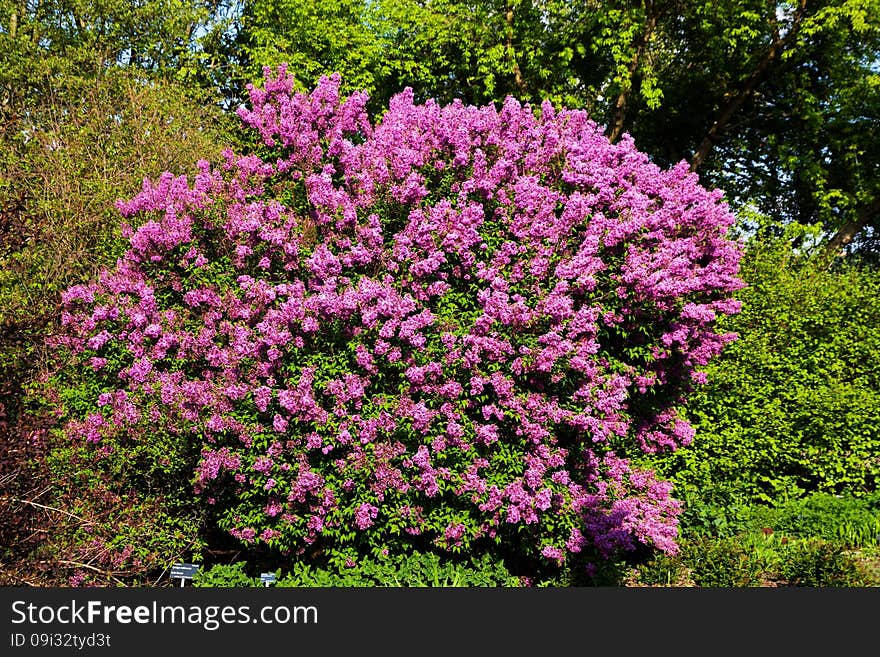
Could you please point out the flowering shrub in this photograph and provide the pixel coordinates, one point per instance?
(449, 328)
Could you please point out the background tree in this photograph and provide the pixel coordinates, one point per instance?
(777, 103)
(90, 104)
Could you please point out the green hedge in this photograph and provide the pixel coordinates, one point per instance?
(793, 406)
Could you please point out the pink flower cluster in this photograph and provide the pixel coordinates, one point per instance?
(444, 325)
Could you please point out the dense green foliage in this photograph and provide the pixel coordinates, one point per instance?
(60, 176)
(818, 540)
(793, 406)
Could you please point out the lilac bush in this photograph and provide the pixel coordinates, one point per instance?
(452, 327)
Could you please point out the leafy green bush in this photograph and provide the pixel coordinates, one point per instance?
(820, 563)
(233, 575)
(819, 540)
(63, 164)
(758, 560)
(727, 562)
(660, 570)
(854, 522)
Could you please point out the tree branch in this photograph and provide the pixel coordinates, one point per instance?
(736, 100)
(48, 508)
(622, 101)
(105, 573)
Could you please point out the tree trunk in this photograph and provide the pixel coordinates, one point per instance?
(848, 231)
(734, 102)
(511, 53)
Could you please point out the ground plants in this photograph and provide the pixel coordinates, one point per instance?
(820, 540)
(413, 570)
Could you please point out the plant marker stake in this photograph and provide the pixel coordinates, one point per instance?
(184, 571)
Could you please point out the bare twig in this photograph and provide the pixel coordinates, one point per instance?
(47, 507)
(77, 564)
(19, 579)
